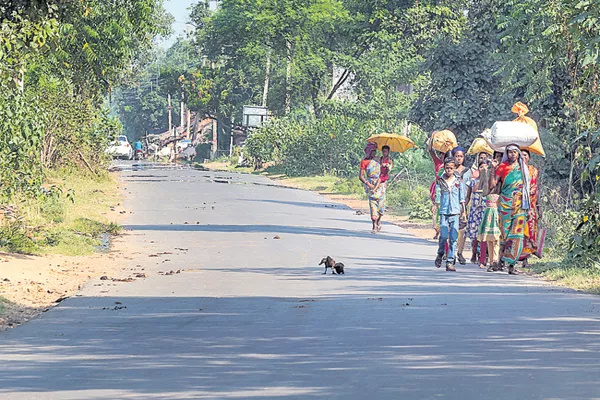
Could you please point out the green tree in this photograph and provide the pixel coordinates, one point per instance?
(463, 93)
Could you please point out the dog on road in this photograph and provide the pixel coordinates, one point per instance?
(336, 268)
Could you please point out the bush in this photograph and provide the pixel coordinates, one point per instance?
(349, 186)
(406, 196)
(584, 244)
(269, 141)
(331, 145)
(53, 209)
(16, 238)
(420, 211)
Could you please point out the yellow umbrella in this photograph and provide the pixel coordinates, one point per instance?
(396, 143)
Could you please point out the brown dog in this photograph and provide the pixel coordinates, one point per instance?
(336, 268)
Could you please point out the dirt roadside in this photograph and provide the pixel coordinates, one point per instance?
(30, 285)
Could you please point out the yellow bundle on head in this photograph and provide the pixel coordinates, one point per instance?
(443, 141)
(480, 145)
(536, 148)
(521, 109)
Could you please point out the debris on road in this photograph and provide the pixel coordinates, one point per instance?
(123, 280)
(115, 308)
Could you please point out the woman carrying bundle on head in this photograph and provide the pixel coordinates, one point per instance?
(531, 229)
(514, 203)
(370, 176)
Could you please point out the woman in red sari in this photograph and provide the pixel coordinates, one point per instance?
(530, 245)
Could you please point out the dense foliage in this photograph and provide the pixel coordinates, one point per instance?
(58, 61)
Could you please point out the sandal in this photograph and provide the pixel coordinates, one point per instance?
(474, 258)
(461, 259)
(493, 267)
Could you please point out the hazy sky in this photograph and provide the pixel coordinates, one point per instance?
(179, 10)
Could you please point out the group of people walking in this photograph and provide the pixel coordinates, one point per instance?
(494, 203)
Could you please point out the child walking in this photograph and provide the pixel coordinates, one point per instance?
(489, 230)
(450, 200)
(475, 185)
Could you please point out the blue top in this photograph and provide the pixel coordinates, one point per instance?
(451, 199)
(138, 145)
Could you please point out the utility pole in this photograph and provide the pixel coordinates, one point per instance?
(231, 136)
(182, 116)
(214, 138)
(170, 127)
(267, 79)
(170, 117)
(189, 120)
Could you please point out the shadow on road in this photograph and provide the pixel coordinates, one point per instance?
(300, 203)
(281, 229)
(295, 348)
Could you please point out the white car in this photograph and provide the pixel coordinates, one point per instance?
(121, 148)
(184, 144)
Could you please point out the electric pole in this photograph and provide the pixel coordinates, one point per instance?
(170, 127)
(182, 116)
(170, 117)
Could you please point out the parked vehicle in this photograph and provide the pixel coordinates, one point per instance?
(121, 148)
(184, 144)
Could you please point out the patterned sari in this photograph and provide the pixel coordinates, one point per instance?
(476, 209)
(489, 230)
(530, 245)
(376, 197)
(512, 215)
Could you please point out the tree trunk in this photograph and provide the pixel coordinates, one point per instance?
(267, 79)
(570, 190)
(288, 79)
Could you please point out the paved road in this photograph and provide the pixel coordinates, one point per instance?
(251, 317)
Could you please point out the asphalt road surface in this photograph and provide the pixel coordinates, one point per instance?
(252, 317)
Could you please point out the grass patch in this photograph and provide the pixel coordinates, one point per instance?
(562, 273)
(69, 220)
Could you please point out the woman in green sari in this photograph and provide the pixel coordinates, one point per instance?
(513, 205)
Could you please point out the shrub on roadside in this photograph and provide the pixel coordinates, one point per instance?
(412, 198)
(268, 143)
(349, 186)
(15, 237)
(584, 230)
